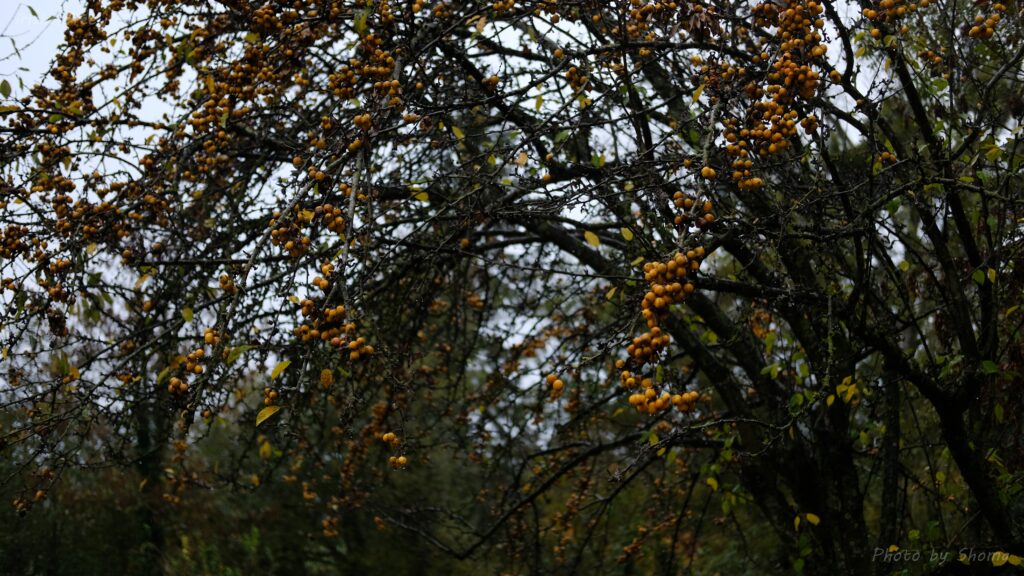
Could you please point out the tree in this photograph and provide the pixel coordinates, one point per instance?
(632, 287)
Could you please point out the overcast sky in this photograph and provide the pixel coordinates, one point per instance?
(36, 37)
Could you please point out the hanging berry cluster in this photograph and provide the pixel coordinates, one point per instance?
(668, 284)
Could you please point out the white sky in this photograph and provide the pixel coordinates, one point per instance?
(37, 38)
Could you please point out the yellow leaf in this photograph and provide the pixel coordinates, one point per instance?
(627, 234)
(458, 132)
(611, 293)
(142, 484)
(142, 280)
(90, 249)
(849, 393)
(1015, 560)
(713, 483)
(592, 238)
(813, 519)
(992, 275)
(521, 159)
(266, 413)
(210, 86)
(422, 197)
(831, 398)
(999, 558)
(662, 451)
(480, 23)
(306, 215)
(186, 313)
(698, 92)
(638, 261)
(538, 102)
(796, 523)
(281, 367)
(293, 299)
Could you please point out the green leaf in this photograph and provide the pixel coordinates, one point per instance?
(237, 352)
(979, 277)
(186, 313)
(989, 367)
(266, 413)
(360, 20)
(5, 89)
(281, 367)
(998, 411)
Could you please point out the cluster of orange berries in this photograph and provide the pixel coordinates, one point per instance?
(705, 217)
(887, 157)
(649, 401)
(668, 286)
(392, 440)
(363, 122)
(556, 385)
(984, 27)
(177, 386)
(211, 337)
(330, 527)
(288, 236)
(930, 57)
(331, 215)
(323, 283)
(12, 241)
(891, 11)
(269, 396)
(577, 79)
(193, 361)
(770, 124)
(330, 327)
